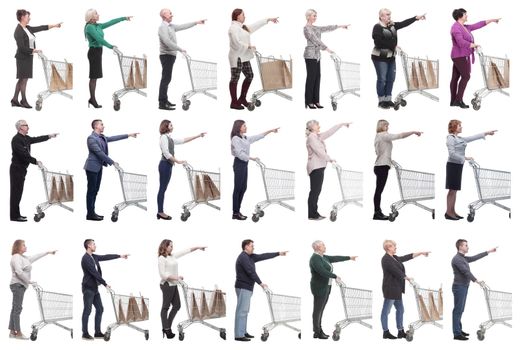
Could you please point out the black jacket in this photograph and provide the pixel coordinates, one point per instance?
(21, 147)
(22, 40)
(246, 270)
(385, 39)
(393, 275)
(92, 275)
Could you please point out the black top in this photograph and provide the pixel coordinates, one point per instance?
(461, 272)
(385, 39)
(21, 146)
(92, 270)
(22, 40)
(246, 270)
(393, 275)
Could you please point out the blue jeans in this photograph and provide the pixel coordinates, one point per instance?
(399, 312)
(93, 184)
(91, 297)
(165, 174)
(460, 293)
(14, 319)
(385, 71)
(243, 302)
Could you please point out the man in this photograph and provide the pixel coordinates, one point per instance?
(21, 147)
(92, 278)
(461, 277)
(244, 284)
(98, 158)
(168, 53)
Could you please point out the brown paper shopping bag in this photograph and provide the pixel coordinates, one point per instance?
(287, 74)
(506, 73)
(133, 314)
(121, 313)
(211, 191)
(200, 196)
(433, 308)
(218, 305)
(54, 197)
(69, 77)
(423, 82)
(414, 79)
(69, 188)
(204, 308)
(195, 314)
(500, 77)
(62, 194)
(130, 83)
(57, 83)
(425, 316)
(492, 78)
(272, 75)
(432, 75)
(440, 303)
(145, 314)
(145, 73)
(138, 78)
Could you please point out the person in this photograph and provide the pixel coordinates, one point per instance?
(21, 148)
(168, 159)
(240, 53)
(462, 54)
(383, 144)
(312, 56)
(245, 282)
(96, 40)
(92, 278)
(394, 276)
(168, 271)
(98, 157)
(461, 277)
(384, 52)
(322, 276)
(168, 53)
(240, 145)
(456, 158)
(26, 47)
(21, 266)
(317, 162)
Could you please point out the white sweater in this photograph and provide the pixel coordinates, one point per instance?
(21, 266)
(168, 266)
(239, 41)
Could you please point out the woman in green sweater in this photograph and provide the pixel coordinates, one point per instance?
(96, 40)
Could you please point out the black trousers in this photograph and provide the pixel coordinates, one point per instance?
(316, 177)
(167, 62)
(17, 177)
(381, 172)
(170, 297)
(317, 312)
(312, 84)
(240, 169)
(93, 185)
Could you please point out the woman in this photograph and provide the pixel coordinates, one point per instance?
(21, 266)
(312, 57)
(463, 48)
(456, 158)
(384, 52)
(168, 159)
(383, 146)
(394, 276)
(321, 282)
(240, 145)
(240, 53)
(26, 47)
(169, 273)
(96, 40)
(316, 162)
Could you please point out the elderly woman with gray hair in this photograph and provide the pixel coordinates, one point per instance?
(322, 277)
(316, 162)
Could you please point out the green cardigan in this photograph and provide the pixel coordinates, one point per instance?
(321, 272)
(94, 32)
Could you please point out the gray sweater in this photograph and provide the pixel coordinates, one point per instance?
(168, 39)
(461, 272)
(457, 147)
(21, 266)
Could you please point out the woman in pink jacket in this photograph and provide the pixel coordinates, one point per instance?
(461, 52)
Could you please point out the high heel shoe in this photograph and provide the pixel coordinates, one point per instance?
(310, 105)
(94, 104)
(25, 104)
(168, 333)
(167, 217)
(15, 103)
(318, 106)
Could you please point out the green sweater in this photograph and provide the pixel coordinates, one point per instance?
(94, 33)
(321, 272)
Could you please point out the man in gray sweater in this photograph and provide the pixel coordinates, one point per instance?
(461, 277)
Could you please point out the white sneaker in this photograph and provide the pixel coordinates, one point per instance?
(18, 336)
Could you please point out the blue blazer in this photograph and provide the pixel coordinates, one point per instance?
(98, 153)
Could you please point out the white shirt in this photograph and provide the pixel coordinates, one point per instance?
(163, 143)
(168, 266)
(32, 38)
(239, 41)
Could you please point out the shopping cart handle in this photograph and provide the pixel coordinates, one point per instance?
(117, 51)
(484, 285)
(118, 168)
(42, 56)
(268, 291)
(413, 283)
(335, 57)
(341, 284)
(259, 163)
(336, 166)
(396, 165)
(474, 164)
(110, 290)
(187, 166)
(37, 287)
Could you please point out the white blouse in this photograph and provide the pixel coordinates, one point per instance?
(168, 266)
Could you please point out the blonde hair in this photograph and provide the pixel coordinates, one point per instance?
(381, 123)
(387, 243)
(17, 246)
(89, 15)
(309, 126)
(383, 10)
(310, 12)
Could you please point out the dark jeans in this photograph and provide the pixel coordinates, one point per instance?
(461, 70)
(312, 84)
(93, 184)
(16, 309)
(381, 172)
(165, 174)
(17, 177)
(460, 293)
(317, 312)
(167, 62)
(316, 177)
(385, 71)
(91, 297)
(170, 297)
(240, 170)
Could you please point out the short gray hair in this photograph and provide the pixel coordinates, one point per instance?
(310, 12)
(89, 15)
(19, 123)
(163, 12)
(388, 242)
(316, 244)
(309, 125)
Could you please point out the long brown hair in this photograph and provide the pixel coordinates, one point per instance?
(164, 127)
(235, 131)
(234, 16)
(17, 246)
(163, 247)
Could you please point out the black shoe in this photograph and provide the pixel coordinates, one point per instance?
(247, 335)
(460, 337)
(390, 104)
(317, 218)
(23, 217)
(379, 216)
(242, 339)
(461, 217)
(99, 335)
(166, 107)
(318, 106)
(388, 335)
(168, 333)
(19, 219)
(238, 216)
(25, 104)
(461, 104)
(93, 103)
(464, 333)
(454, 104)
(383, 104)
(323, 333)
(166, 217)
(236, 105)
(15, 103)
(447, 217)
(87, 337)
(94, 217)
(169, 104)
(401, 334)
(319, 336)
(310, 106)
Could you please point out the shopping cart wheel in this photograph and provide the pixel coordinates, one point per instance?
(186, 105)
(471, 217)
(403, 103)
(409, 336)
(107, 336)
(258, 103)
(223, 334)
(392, 216)
(476, 106)
(261, 213)
(264, 336)
(146, 334)
(255, 217)
(114, 217)
(433, 214)
(72, 334)
(37, 218)
(34, 335)
(181, 336)
(184, 216)
(38, 105)
(335, 336)
(396, 106)
(480, 335)
(334, 106)
(333, 216)
(117, 105)
(251, 107)
(299, 335)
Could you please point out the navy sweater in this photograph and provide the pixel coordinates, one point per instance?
(246, 270)
(92, 275)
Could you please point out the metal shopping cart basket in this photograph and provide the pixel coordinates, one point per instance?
(203, 77)
(348, 79)
(429, 307)
(357, 304)
(202, 305)
(204, 188)
(495, 72)
(500, 309)
(421, 74)
(284, 309)
(134, 191)
(275, 74)
(134, 71)
(54, 308)
(59, 189)
(58, 77)
(414, 186)
(279, 187)
(128, 309)
(351, 185)
(492, 186)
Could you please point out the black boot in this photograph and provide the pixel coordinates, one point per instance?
(378, 215)
(401, 334)
(388, 335)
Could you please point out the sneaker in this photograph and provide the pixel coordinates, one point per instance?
(18, 336)
(87, 337)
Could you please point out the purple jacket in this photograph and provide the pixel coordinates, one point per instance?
(462, 38)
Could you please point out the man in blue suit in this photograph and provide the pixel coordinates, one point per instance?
(98, 158)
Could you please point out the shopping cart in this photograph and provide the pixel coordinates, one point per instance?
(500, 309)
(275, 74)
(134, 71)
(348, 79)
(203, 77)
(54, 308)
(58, 77)
(429, 306)
(357, 305)
(59, 189)
(351, 185)
(196, 301)
(279, 187)
(495, 71)
(421, 74)
(128, 309)
(283, 309)
(134, 191)
(204, 187)
(492, 186)
(414, 186)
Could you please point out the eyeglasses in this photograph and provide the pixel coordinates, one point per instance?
(24, 125)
